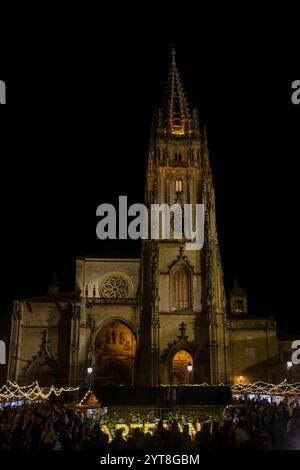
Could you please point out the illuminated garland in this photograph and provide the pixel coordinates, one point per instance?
(189, 385)
(13, 392)
(85, 397)
(257, 388)
(262, 388)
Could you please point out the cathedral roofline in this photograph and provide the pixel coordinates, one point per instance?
(95, 258)
(61, 297)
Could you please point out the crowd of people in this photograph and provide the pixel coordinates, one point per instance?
(250, 424)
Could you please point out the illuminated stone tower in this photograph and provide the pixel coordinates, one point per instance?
(156, 320)
(183, 336)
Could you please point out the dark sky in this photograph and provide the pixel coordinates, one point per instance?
(75, 135)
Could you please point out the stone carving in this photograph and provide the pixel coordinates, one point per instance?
(182, 329)
(181, 257)
(121, 338)
(181, 340)
(45, 345)
(155, 317)
(76, 312)
(115, 287)
(17, 310)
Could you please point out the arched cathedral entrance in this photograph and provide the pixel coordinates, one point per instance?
(182, 368)
(115, 347)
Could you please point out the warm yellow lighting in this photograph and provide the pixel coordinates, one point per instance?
(149, 427)
(13, 392)
(262, 388)
(124, 427)
(104, 428)
(180, 131)
(146, 427)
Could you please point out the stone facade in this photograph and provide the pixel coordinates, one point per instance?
(158, 319)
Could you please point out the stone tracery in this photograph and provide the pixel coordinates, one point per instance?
(115, 286)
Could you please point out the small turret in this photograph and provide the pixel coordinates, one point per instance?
(53, 286)
(238, 300)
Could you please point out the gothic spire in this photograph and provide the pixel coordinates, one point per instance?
(176, 113)
(53, 286)
(206, 163)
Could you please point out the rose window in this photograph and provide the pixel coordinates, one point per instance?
(115, 287)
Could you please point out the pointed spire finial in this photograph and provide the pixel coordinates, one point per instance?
(174, 116)
(53, 286)
(176, 112)
(173, 54)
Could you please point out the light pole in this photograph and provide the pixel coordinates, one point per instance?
(90, 371)
(289, 366)
(190, 370)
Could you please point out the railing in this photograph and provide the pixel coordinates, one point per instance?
(101, 300)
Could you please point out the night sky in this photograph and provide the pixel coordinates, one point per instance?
(76, 133)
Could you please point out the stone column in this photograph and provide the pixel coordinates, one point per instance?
(75, 344)
(15, 342)
(155, 340)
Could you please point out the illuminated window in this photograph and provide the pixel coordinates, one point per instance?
(238, 305)
(178, 185)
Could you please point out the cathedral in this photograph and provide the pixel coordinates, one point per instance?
(160, 319)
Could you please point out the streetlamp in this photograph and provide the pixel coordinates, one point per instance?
(289, 366)
(90, 371)
(190, 370)
(241, 379)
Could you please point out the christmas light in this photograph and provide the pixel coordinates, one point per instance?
(262, 388)
(257, 388)
(13, 392)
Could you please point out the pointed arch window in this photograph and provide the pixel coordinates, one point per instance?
(178, 185)
(181, 288)
(178, 157)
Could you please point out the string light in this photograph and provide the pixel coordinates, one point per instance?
(85, 396)
(13, 392)
(257, 388)
(262, 388)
